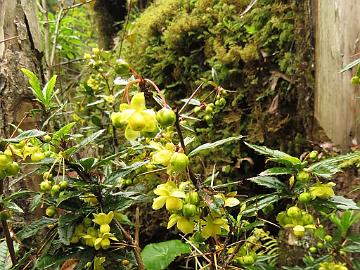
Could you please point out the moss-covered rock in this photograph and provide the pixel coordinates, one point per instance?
(262, 55)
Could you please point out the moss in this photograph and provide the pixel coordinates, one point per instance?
(177, 43)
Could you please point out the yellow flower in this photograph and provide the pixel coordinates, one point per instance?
(135, 117)
(170, 195)
(229, 199)
(103, 219)
(183, 224)
(103, 241)
(213, 226)
(322, 191)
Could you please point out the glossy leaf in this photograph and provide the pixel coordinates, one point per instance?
(269, 182)
(209, 146)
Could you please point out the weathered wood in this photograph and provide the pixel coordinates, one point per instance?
(337, 106)
(22, 49)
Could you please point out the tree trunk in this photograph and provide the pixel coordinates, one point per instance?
(20, 47)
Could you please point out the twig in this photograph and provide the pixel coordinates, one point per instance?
(125, 26)
(56, 34)
(137, 250)
(44, 10)
(78, 5)
(9, 242)
(190, 98)
(7, 39)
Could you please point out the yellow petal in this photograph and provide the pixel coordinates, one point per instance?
(178, 194)
(231, 202)
(159, 202)
(172, 220)
(173, 204)
(97, 243)
(130, 134)
(184, 225)
(138, 102)
(161, 192)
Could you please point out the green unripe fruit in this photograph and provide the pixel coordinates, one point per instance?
(355, 80)
(192, 197)
(55, 190)
(37, 156)
(320, 245)
(294, 212)
(305, 197)
(282, 218)
(125, 262)
(47, 176)
(208, 118)
(50, 211)
(303, 176)
(4, 161)
(121, 67)
(137, 121)
(105, 228)
(189, 210)
(63, 184)
(45, 186)
(178, 162)
(197, 109)
(209, 109)
(328, 238)
(307, 219)
(47, 138)
(166, 117)
(313, 250)
(313, 155)
(299, 231)
(128, 182)
(12, 169)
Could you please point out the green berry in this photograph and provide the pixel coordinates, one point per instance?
(294, 212)
(303, 176)
(305, 197)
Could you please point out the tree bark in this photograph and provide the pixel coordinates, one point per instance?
(20, 47)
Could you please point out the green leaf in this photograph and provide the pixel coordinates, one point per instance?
(13, 207)
(277, 171)
(344, 203)
(277, 156)
(269, 182)
(33, 133)
(122, 200)
(124, 171)
(35, 202)
(88, 163)
(208, 146)
(84, 142)
(259, 202)
(35, 84)
(4, 262)
(34, 227)
(159, 256)
(64, 131)
(328, 167)
(48, 90)
(66, 227)
(18, 194)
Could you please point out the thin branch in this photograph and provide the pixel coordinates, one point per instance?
(56, 34)
(7, 39)
(190, 98)
(44, 10)
(78, 5)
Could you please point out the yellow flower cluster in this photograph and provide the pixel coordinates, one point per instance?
(136, 118)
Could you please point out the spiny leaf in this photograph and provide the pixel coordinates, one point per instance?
(112, 179)
(84, 142)
(269, 182)
(259, 202)
(275, 154)
(208, 146)
(66, 227)
(62, 132)
(34, 227)
(159, 256)
(35, 84)
(328, 167)
(33, 133)
(277, 171)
